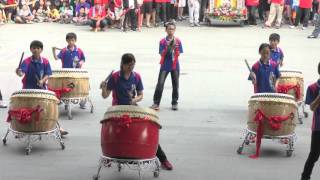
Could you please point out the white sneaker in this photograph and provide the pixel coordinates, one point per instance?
(2, 105)
(304, 28)
(292, 27)
(197, 24)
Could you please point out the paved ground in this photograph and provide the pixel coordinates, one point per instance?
(200, 139)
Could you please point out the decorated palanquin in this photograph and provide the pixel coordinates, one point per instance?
(227, 10)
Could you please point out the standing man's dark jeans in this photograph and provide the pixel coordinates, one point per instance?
(252, 15)
(261, 12)
(131, 15)
(0, 96)
(306, 13)
(175, 86)
(314, 11)
(161, 7)
(93, 23)
(203, 9)
(313, 155)
(161, 155)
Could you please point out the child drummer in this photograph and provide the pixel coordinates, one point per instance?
(71, 56)
(35, 70)
(265, 72)
(127, 89)
(313, 99)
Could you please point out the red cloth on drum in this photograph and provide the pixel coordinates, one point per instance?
(23, 115)
(274, 123)
(286, 88)
(126, 120)
(61, 91)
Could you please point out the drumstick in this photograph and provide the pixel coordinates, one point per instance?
(107, 78)
(248, 66)
(21, 60)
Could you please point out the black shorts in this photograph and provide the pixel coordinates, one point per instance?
(11, 10)
(146, 7)
(264, 5)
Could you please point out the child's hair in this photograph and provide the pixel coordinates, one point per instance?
(36, 44)
(274, 37)
(262, 46)
(52, 6)
(170, 24)
(127, 58)
(71, 35)
(319, 68)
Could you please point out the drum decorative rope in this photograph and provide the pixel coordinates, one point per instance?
(130, 132)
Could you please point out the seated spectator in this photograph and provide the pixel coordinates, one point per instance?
(24, 14)
(81, 18)
(66, 12)
(116, 8)
(82, 3)
(54, 15)
(40, 12)
(97, 16)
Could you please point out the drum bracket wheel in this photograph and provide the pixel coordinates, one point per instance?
(136, 164)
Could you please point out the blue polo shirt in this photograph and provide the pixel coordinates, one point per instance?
(167, 65)
(265, 74)
(34, 70)
(312, 93)
(121, 87)
(68, 57)
(276, 55)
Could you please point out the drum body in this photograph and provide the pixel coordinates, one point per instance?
(293, 79)
(63, 78)
(31, 98)
(273, 104)
(130, 132)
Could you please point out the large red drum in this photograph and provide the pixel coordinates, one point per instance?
(130, 132)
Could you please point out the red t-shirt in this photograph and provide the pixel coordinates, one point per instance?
(95, 14)
(11, 2)
(252, 3)
(152, 0)
(277, 1)
(162, 1)
(305, 3)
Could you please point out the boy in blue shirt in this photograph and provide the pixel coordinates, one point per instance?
(36, 70)
(71, 56)
(276, 52)
(265, 72)
(170, 49)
